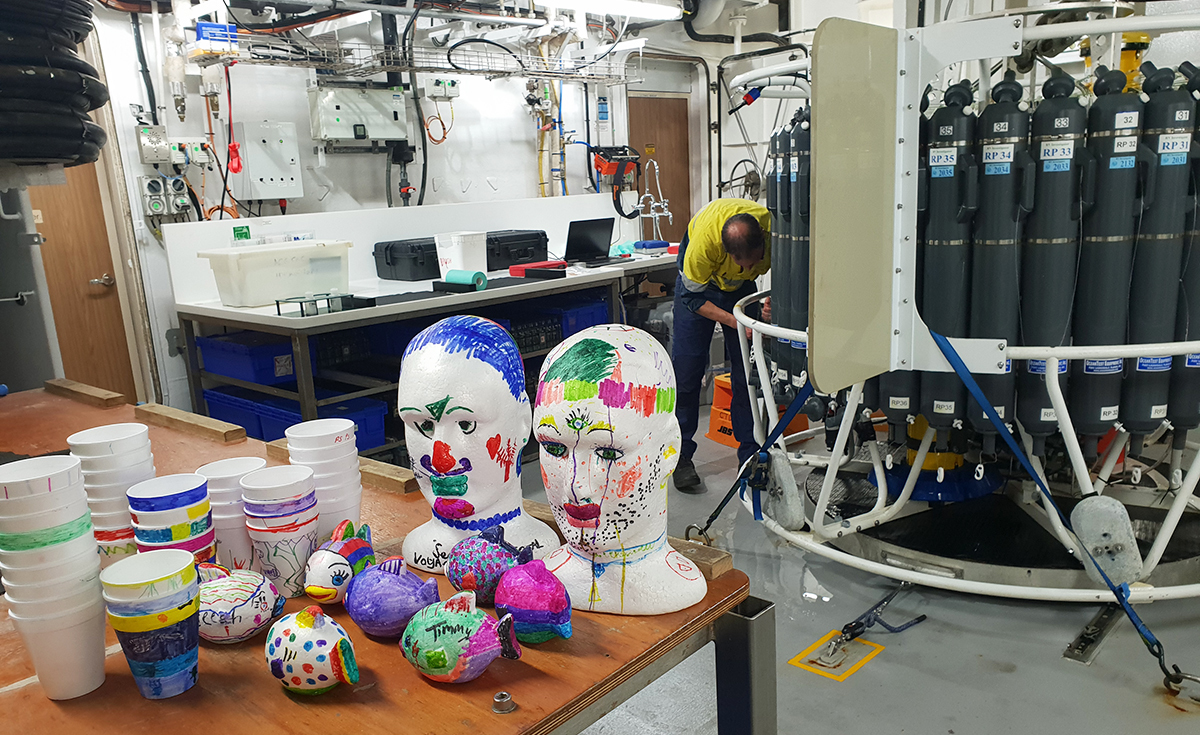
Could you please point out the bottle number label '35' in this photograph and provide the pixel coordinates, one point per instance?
(943, 156)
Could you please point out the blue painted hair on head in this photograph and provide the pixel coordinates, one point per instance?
(481, 339)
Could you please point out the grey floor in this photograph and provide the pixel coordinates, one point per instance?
(977, 665)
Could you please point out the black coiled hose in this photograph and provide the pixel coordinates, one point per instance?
(46, 90)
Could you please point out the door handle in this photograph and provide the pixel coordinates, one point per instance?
(104, 280)
(20, 299)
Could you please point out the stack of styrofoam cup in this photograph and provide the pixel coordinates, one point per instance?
(114, 458)
(328, 448)
(228, 515)
(50, 569)
(172, 512)
(282, 520)
(152, 601)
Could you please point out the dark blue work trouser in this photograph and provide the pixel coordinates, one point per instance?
(691, 337)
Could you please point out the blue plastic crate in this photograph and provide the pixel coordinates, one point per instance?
(580, 315)
(391, 338)
(277, 414)
(265, 359)
(237, 406)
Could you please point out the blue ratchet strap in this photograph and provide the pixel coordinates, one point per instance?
(1121, 592)
(763, 458)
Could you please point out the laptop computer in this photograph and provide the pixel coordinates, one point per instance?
(588, 241)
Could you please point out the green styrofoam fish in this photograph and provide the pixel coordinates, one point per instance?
(454, 642)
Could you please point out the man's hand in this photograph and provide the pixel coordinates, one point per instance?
(766, 309)
(711, 311)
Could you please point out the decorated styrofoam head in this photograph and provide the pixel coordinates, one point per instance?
(466, 415)
(605, 419)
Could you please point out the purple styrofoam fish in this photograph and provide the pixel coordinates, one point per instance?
(476, 563)
(383, 598)
(454, 642)
(537, 601)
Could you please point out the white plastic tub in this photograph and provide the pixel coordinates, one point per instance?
(257, 275)
(461, 251)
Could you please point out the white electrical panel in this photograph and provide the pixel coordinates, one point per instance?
(153, 144)
(164, 195)
(270, 161)
(350, 114)
(186, 151)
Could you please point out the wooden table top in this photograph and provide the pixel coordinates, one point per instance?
(236, 693)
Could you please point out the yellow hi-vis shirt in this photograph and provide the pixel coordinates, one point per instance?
(706, 261)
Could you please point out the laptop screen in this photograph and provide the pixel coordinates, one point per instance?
(589, 239)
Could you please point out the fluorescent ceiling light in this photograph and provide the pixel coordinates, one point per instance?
(631, 8)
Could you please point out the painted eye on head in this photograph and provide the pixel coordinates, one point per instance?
(609, 454)
(425, 427)
(466, 426)
(338, 579)
(554, 449)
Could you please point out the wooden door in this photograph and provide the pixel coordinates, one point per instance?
(87, 317)
(658, 127)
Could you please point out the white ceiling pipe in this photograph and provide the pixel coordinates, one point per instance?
(794, 93)
(782, 82)
(511, 20)
(1148, 23)
(790, 67)
(709, 12)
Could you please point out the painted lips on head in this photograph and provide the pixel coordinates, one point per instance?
(453, 508)
(582, 516)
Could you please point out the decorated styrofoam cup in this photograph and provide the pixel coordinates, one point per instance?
(149, 574)
(171, 534)
(282, 553)
(108, 462)
(66, 647)
(113, 551)
(38, 475)
(167, 492)
(161, 647)
(173, 516)
(322, 454)
(320, 433)
(193, 544)
(270, 522)
(56, 535)
(234, 550)
(47, 555)
(63, 510)
(282, 508)
(129, 475)
(41, 502)
(110, 439)
(226, 474)
(136, 608)
(277, 484)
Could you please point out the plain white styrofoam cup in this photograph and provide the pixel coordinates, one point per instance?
(130, 475)
(112, 521)
(117, 489)
(348, 463)
(320, 433)
(234, 550)
(67, 649)
(226, 474)
(55, 589)
(109, 505)
(277, 484)
(337, 480)
(348, 508)
(106, 462)
(110, 439)
(41, 502)
(50, 572)
(324, 454)
(38, 475)
(74, 597)
(64, 513)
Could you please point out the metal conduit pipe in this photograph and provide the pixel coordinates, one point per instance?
(785, 94)
(790, 67)
(1180, 22)
(428, 13)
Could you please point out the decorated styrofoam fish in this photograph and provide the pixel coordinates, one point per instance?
(331, 567)
(384, 597)
(537, 601)
(454, 642)
(310, 653)
(235, 605)
(477, 563)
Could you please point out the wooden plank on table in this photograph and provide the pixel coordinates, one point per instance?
(85, 393)
(190, 423)
(382, 475)
(712, 562)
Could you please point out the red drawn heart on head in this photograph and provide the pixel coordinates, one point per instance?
(493, 446)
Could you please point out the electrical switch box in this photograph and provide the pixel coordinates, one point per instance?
(153, 145)
(154, 195)
(270, 161)
(441, 90)
(353, 113)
